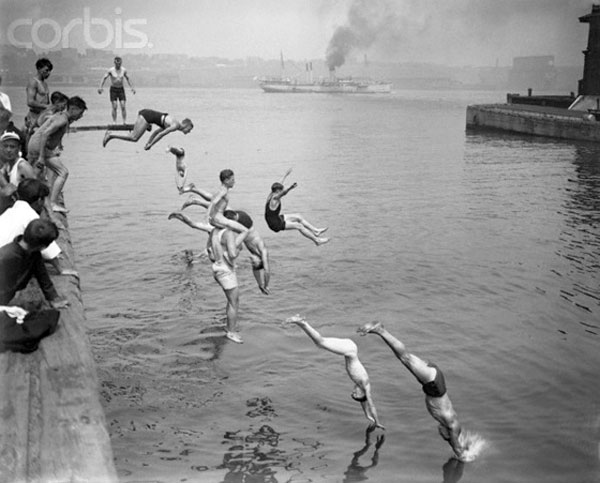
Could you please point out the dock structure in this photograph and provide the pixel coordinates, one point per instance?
(561, 117)
(102, 127)
(52, 424)
(534, 120)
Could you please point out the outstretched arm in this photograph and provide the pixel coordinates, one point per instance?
(160, 133)
(285, 191)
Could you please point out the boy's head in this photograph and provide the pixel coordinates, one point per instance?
(226, 177)
(39, 234)
(44, 67)
(34, 192)
(59, 100)
(275, 187)
(75, 108)
(186, 125)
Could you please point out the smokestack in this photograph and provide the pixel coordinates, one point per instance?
(331, 73)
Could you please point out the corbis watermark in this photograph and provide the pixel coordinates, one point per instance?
(98, 33)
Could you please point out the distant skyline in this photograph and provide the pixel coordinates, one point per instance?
(449, 32)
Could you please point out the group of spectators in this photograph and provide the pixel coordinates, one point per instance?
(32, 177)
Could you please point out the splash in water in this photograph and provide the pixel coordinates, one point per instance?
(474, 445)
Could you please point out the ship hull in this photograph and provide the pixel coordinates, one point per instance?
(327, 88)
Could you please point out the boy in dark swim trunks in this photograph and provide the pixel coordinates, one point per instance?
(278, 222)
(166, 124)
(117, 88)
(434, 386)
(356, 371)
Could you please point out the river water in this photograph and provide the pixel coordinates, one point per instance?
(479, 251)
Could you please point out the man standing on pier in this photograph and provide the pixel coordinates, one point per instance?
(38, 92)
(117, 89)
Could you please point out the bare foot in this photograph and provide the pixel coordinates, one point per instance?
(187, 188)
(265, 290)
(370, 327)
(320, 231)
(321, 241)
(296, 319)
(234, 337)
(106, 139)
(59, 208)
(69, 272)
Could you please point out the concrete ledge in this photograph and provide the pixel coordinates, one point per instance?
(52, 425)
(534, 120)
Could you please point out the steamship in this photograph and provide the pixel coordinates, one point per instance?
(332, 84)
(342, 85)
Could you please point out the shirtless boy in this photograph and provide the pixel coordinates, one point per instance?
(356, 371)
(43, 146)
(434, 386)
(223, 247)
(38, 92)
(278, 222)
(117, 89)
(164, 122)
(219, 204)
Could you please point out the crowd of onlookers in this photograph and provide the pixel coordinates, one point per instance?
(32, 177)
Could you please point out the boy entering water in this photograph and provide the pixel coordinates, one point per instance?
(436, 398)
(356, 371)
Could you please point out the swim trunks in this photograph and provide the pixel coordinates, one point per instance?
(154, 117)
(275, 221)
(257, 263)
(358, 394)
(117, 93)
(437, 387)
(224, 275)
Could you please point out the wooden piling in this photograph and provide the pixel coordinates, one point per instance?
(52, 425)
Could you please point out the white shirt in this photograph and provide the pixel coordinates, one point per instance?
(5, 102)
(13, 223)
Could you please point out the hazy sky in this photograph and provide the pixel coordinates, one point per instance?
(455, 32)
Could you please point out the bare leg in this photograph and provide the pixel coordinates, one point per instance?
(300, 219)
(191, 188)
(59, 169)
(292, 225)
(185, 219)
(233, 302)
(418, 367)
(123, 112)
(220, 221)
(113, 112)
(136, 133)
(195, 201)
(342, 347)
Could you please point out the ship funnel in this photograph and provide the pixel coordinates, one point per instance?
(332, 73)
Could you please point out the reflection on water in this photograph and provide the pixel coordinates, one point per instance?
(452, 470)
(581, 235)
(253, 456)
(356, 471)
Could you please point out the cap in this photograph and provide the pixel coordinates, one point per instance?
(9, 135)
